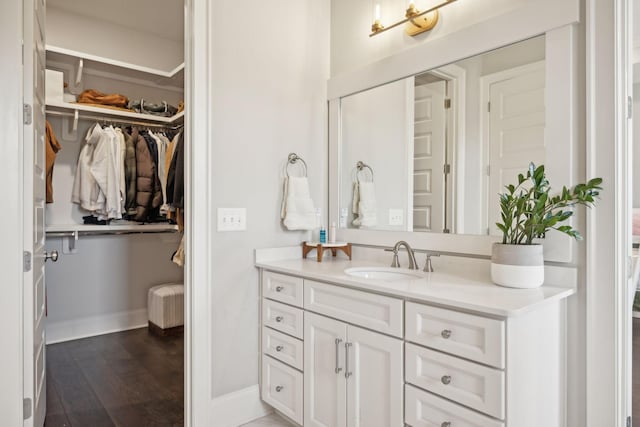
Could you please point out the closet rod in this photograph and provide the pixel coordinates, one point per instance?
(105, 233)
(115, 121)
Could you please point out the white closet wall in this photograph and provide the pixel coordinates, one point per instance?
(103, 287)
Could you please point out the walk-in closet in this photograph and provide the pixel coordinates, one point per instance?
(115, 213)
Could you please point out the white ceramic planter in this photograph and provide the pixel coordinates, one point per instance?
(517, 266)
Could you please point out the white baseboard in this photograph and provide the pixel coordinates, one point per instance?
(239, 407)
(95, 325)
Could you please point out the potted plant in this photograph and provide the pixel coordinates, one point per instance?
(528, 212)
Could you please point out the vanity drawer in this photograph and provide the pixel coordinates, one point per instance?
(466, 335)
(282, 388)
(376, 312)
(283, 288)
(467, 383)
(283, 318)
(424, 409)
(282, 347)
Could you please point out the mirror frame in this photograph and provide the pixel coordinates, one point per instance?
(561, 130)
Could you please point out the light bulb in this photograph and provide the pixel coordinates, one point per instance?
(377, 11)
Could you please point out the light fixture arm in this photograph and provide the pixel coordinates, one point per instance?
(412, 16)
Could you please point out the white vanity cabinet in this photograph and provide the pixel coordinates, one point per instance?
(353, 377)
(339, 354)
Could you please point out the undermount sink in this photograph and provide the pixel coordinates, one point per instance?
(387, 274)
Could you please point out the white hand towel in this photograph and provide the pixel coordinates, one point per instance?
(364, 204)
(298, 211)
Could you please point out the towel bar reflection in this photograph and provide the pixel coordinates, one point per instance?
(360, 166)
(292, 160)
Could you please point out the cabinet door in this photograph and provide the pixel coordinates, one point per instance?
(324, 372)
(374, 379)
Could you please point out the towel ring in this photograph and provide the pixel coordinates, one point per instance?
(292, 160)
(360, 166)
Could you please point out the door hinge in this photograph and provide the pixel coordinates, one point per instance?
(447, 169)
(26, 409)
(488, 170)
(488, 231)
(629, 421)
(629, 107)
(489, 106)
(26, 261)
(447, 103)
(27, 114)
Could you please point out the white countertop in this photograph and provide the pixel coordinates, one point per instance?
(468, 287)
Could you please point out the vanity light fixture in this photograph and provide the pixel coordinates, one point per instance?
(417, 21)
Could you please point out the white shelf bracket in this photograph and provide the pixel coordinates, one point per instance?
(79, 71)
(69, 244)
(70, 130)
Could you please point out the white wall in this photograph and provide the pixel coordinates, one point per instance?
(351, 46)
(269, 99)
(108, 39)
(375, 130)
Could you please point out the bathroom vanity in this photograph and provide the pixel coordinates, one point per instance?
(355, 343)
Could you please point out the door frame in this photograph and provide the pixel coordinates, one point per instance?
(609, 225)
(11, 131)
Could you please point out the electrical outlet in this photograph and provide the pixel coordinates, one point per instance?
(396, 216)
(232, 219)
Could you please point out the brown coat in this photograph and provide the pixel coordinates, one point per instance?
(130, 174)
(52, 148)
(149, 191)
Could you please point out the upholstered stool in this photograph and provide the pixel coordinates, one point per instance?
(166, 309)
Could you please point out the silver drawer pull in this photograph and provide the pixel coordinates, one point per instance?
(446, 424)
(338, 368)
(446, 334)
(279, 388)
(279, 288)
(446, 380)
(279, 319)
(279, 348)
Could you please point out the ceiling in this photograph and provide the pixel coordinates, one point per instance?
(164, 18)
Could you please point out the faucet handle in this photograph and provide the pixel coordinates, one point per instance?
(428, 266)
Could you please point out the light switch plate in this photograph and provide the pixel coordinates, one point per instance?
(232, 219)
(396, 216)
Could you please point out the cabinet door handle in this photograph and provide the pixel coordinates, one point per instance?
(338, 368)
(347, 373)
(446, 424)
(279, 388)
(279, 319)
(446, 379)
(446, 334)
(279, 288)
(279, 348)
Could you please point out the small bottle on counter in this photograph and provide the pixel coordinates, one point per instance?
(332, 233)
(323, 234)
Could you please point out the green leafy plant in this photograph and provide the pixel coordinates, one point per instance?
(528, 211)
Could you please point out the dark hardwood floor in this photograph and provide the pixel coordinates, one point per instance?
(126, 379)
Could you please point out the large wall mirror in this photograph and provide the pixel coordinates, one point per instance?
(431, 152)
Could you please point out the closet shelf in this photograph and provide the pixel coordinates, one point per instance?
(172, 77)
(123, 228)
(62, 107)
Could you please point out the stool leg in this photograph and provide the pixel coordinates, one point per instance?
(319, 250)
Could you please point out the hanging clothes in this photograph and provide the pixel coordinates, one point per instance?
(175, 179)
(130, 174)
(96, 186)
(149, 192)
(52, 148)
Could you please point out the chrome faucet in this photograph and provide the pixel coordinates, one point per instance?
(413, 265)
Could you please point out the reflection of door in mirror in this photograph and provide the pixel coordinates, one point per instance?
(429, 154)
(515, 122)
